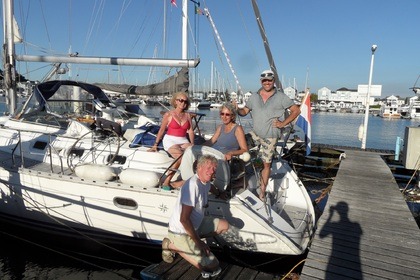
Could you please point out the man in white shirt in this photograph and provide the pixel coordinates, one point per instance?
(188, 224)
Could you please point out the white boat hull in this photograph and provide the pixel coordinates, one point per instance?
(132, 211)
(67, 176)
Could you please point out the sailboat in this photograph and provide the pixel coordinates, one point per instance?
(74, 163)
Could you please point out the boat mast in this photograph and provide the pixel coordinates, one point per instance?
(9, 54)
(266, 44)
(211, 78)
(184, 29)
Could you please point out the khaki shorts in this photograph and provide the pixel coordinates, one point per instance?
(267, 148)
(186, 245)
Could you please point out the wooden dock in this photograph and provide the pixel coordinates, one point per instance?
(369, 233)
(181, 269)
(366, 230)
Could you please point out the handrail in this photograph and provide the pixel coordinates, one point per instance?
(50, 147)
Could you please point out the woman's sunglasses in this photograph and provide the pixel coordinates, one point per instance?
(225, 114)
(182, 100)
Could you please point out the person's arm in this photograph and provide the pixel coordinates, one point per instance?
(243, 147)
(189, 228)
(294, 113)
(191, 130)
(159, 136)
(241, 111)
(214, 138)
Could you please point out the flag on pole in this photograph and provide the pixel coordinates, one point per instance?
(304, 120)
(198, 11)
(173, 2)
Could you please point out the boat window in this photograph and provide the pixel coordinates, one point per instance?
(116, 159)
(76, 152)
(126, 203)
(40, 145)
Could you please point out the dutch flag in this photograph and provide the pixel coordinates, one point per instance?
(304, 120)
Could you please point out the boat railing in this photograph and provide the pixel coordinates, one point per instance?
(51, 149)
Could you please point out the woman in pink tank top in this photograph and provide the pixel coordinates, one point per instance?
(177, 124)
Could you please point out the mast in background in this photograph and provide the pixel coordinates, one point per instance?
(266, 45)
(184, 29)
(9, 56)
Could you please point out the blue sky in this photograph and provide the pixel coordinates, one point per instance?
(327, 41)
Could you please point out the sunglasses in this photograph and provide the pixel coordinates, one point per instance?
(267, 75)
(225, 114)
(266, 80)
(182, 100)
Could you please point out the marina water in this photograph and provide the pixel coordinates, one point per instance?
(337, 129)
(21, 259)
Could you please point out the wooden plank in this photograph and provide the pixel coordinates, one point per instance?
(371, 233)
(182, 270)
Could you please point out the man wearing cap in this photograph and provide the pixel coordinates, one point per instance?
(268, 107)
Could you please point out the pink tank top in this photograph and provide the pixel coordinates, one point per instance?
(175, 129)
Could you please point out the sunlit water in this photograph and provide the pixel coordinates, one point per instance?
(338, 129)
(18, 261)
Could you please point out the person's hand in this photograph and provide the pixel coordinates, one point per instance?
(235, 104)
(152, 149)
(278, 124)
(204, 248)
(228, 156)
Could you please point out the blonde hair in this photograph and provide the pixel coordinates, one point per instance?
(175, 97)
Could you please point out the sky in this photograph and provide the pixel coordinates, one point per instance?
(317, 43)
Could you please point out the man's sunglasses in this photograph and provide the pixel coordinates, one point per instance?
(267, 75)
(225, 114)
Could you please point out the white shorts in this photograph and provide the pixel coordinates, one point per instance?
(170, 140)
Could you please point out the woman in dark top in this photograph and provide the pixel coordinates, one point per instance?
(229, 137)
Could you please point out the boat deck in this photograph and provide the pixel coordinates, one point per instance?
(7, 162)
(367, 230)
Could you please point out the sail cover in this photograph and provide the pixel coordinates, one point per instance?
(178, 82)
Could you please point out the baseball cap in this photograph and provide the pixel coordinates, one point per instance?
(267, 75)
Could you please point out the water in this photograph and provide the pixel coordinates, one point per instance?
(23, 259)
(338, 129)
(342, 129)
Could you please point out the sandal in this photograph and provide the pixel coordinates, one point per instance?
(167, 255)
(206, 274)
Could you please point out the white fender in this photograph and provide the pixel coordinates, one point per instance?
(191, 154)
(95, 172)
(142, 178)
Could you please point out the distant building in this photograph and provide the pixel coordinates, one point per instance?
(290, 92)
(346, 98)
